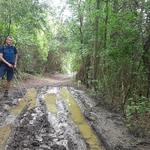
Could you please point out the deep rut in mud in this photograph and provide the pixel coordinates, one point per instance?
(47, 119)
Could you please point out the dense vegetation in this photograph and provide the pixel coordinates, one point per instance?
(107, 42)
(26, 21)
(112, 42)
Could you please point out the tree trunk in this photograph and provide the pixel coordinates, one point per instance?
(106, 24)
(95, 58)
(10, 18)
(146, 61)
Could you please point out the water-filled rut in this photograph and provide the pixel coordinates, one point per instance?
(47, 119)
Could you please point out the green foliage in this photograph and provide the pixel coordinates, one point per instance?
(137, 113)
(69, 64)
(105, 42)
(27, 22)
(138, 105)
(110, 42)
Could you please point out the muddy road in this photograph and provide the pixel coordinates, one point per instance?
(50, 114)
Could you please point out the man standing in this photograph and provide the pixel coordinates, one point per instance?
(8, 58)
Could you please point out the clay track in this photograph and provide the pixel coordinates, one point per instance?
(41, 120)
(50, 115)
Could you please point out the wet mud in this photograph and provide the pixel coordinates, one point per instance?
(46, 118)
(110, 127)
(61, 118)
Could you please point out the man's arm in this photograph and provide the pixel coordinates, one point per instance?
(3, 60)
(16, 59)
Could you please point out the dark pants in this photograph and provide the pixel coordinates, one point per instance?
(4, 69)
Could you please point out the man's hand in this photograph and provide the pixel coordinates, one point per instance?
(15, 66)
(10, 65)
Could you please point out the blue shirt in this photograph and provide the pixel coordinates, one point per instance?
(9, 53)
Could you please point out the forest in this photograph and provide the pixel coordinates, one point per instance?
(106, 43)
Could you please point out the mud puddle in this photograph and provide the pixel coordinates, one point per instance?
(47, 119)
(109, 126)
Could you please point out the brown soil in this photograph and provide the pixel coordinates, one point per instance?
(108, 126)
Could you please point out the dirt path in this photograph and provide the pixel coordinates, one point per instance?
(49, 114)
